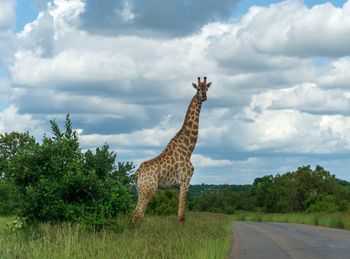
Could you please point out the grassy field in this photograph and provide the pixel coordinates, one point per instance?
(333, 220)
(204, 235)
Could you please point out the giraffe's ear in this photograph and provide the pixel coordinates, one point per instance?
(195, 86)
(208, 85)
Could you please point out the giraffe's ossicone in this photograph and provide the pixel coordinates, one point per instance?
(173, 166)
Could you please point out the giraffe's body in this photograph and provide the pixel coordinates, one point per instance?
(173, 166)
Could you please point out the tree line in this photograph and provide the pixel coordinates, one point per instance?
(54, 180)
(304, 190)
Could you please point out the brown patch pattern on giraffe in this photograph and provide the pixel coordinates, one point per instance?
(173, 166)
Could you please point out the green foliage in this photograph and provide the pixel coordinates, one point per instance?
(16, 224)
(222, 199)
(56, 181)
(305, 190)
(302, 190)
(329, 203)
(9, 144)
(8, 197)
(164, 202)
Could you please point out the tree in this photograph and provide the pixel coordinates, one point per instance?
(303, 190)
(9, 144)
(56, 181)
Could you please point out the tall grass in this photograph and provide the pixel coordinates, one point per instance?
(204, 235)
(333, 220)
(3, 222)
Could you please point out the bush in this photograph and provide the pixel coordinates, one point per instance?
(329, 204)
(9, 144)
(7, 198)
(56, 181)
(164, 202)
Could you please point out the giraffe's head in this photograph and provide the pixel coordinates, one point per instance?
(202, 89)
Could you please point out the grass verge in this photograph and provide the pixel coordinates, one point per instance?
(333, 220)
(204, 235)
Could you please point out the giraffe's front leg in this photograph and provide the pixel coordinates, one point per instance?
(184, 187)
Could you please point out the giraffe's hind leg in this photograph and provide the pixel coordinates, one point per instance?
(146, 188)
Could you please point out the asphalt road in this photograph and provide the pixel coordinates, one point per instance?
(281, 240)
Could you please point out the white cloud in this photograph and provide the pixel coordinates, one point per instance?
(281, 120)
(7, 14)
(73, 66)
(66, 12)
(4, 88)
(154, 137)
(310, 98)
(7, 48)
(10, 120)
(203, 161)
(280, 29)
(335, 74)
(38, 36)
(281, 36)
(60, 102)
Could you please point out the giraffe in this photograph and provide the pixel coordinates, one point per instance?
(173, 166)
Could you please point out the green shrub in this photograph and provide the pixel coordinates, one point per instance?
(56, 181)
(7, 198)
(164, 202)
(328, 204)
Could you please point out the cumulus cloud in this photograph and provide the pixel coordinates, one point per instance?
(310, 98)
(10, 120)
(38, 36)
(282, 36)
(7, 14)
(326, 32)
(295, 120)
(7, 48)
(203, 161)
(335, 74)
(153, 137)
(72, 66)
(153, 18)
(58, 102)
(4, 88)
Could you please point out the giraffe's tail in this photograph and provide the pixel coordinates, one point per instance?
(137, 173)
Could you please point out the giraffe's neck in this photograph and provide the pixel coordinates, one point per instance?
(189, 131)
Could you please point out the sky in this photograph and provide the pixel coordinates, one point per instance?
(123, 70)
